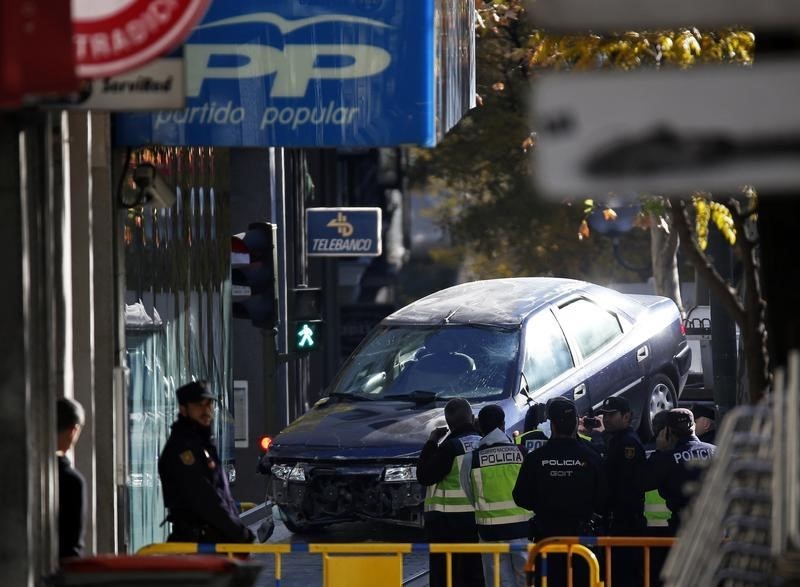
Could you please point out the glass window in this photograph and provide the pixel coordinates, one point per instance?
(547, 354)
(177, 322)
(590, 325)
(452, 361)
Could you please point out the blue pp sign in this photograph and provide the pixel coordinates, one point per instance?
(343, 232)
(302, 73)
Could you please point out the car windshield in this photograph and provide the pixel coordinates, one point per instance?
(427, 363)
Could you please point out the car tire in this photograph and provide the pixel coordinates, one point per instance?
(660, 395)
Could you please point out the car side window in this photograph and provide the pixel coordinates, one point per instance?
(547, 354)
(591, 326)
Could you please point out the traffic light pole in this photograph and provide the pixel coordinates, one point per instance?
(278, 185)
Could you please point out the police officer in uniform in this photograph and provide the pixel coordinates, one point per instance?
(564, 484)
(533, 436)
(449, 515)
(670, 470)
(656, 512)
(705, 423)
(624, 466)
(487, 476)
(196, 493)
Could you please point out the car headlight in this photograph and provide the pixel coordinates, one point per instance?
(400, 473)
(289, 472)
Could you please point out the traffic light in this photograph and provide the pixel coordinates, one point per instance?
(253, 274)
(305, 318)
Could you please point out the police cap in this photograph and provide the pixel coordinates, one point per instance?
(681, 420)
(702, 411)
(561, 409)
(615, 404)
(195, 391)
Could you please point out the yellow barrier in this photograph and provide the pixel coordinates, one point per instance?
(347, 569)
(567, 543)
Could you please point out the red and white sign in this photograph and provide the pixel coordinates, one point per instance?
(115, 36)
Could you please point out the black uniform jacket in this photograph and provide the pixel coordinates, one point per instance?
(563, 484)
(709, 437)
(669, 471)
(624, 467)
(196, 491)
(71, 509)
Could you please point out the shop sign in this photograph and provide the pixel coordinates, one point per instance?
(319, 73)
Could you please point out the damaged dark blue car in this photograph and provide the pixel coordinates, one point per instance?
(512, 342)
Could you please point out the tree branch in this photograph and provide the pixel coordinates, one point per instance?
(717, 284)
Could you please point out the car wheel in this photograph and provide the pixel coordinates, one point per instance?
(660, 396)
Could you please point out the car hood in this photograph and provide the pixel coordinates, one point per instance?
(340, 428)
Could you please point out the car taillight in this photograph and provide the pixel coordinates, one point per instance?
(683, 328)
(265, 442)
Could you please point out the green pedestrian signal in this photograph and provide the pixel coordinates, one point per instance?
(306, 335)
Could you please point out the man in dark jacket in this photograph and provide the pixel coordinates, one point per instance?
(195, 487)
(449, 516)
(563, 484)
(71, 484)
(670, 470)
(624, 467)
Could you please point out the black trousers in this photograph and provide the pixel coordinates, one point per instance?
(453, 528)
(658, 556)
(627, 563)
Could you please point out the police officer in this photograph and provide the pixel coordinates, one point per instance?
(533, 436)
(671, 469)
(487, 476)
(537, 430)
(449, 515)
(563, 482)
(705, 423)
(624, 466)
(656, 512)
(195, 488)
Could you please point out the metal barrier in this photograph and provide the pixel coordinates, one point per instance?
(345, 570)
(349, 566)
(569, 544)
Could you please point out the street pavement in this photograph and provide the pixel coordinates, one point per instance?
(305, 570)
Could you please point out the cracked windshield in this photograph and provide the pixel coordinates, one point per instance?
(430, 363)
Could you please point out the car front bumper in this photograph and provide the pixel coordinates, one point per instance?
(330, 493)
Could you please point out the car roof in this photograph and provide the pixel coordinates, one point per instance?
(493, 302)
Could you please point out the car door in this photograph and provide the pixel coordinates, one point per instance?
(548, 364)
(607, 363)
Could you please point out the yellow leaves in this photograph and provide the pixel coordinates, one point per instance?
(701, 215)
(707, 211)
(583, 231)
(609, 215)
(723, 221)
(682, 47)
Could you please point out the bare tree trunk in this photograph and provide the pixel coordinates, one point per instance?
(664, 243)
